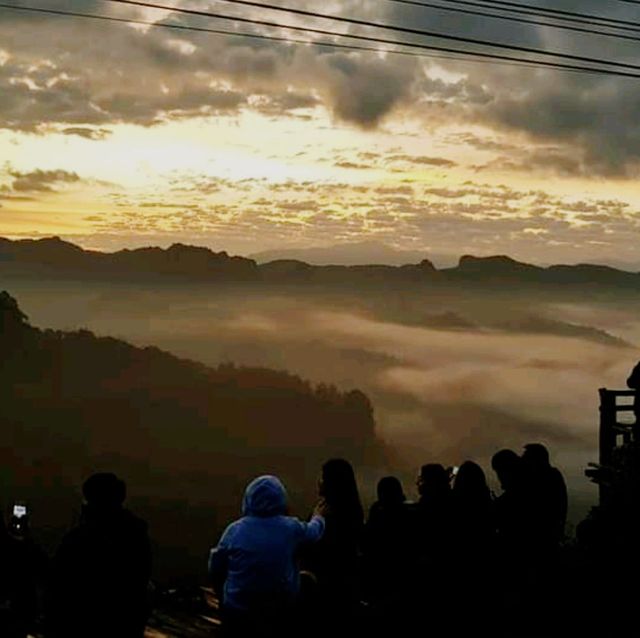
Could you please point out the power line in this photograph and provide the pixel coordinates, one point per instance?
(620, 26)
(518, 7)
(485, 57)
(567, 27)
(522, 10)
(258, 36)
(378, 25)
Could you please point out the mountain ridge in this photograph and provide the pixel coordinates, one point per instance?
(52, 256)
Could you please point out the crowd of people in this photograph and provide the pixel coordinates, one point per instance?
(339, 572)
(444, 552)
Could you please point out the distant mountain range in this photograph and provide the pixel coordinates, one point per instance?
(53, 258)
(352, 254)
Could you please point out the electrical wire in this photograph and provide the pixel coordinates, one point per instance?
(369, 23)
(259, 36)
(520, 8)
(485, 57)
(566, 27)
(511, 18)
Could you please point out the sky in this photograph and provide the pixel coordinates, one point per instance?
(115, 135)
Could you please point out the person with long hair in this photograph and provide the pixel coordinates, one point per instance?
(473, 545)
(386, 552)
(474, 527)
(334, 560)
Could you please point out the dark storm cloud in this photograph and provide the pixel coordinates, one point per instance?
(96, 74)
(594, 118)
(597, 119)
(85, 76)
(364, 91)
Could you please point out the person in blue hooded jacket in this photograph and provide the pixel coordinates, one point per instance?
(255, 565)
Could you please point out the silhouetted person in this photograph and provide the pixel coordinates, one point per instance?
(525, 558)
(474, 525)
(255, 567)
(513, 508)
(432, 574)
(335, 559)
(550, 493)
(473, 548)
(434, 508)
(633, 382)
(22, 569)
(102, 568)
(385, 547)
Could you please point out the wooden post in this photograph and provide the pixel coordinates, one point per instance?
(608, 420)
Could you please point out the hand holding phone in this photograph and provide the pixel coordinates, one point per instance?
(19, 520)
(19, 510)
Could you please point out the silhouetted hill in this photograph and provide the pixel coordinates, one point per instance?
(291, 271)
(495, 266)
(532, 324)
(187, 437)
(501, 268)
(57, 259)
(53, 256)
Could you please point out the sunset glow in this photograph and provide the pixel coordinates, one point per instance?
(247, 146)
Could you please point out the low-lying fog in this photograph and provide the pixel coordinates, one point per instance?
(451, 376)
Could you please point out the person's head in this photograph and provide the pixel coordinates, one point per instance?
(104, 491)
(507, 465)
(390, 491)
(265, 496)
(536, 455)
(470, 481)
(338, 487)
(433, 480)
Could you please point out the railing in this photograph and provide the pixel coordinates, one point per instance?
(613, 435)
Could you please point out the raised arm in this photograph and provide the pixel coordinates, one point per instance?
(312, 531)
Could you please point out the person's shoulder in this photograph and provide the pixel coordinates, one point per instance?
(557, 475)
(75, 541)
(76, 534)
(236, 527)
(134, 524)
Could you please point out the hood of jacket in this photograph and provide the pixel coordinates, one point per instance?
(265, 496)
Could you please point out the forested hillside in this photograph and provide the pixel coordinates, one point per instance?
(186, 437)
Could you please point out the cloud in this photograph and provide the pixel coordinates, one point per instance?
(87, 133)
(354, 165)
(474, 218)
(82, 77)
(40, 181)
(363, 91)
(422, 160)
(153, 75)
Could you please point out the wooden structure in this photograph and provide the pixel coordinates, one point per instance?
(619, 444)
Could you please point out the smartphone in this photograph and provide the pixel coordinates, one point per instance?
(19, 510)
(454, 470)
